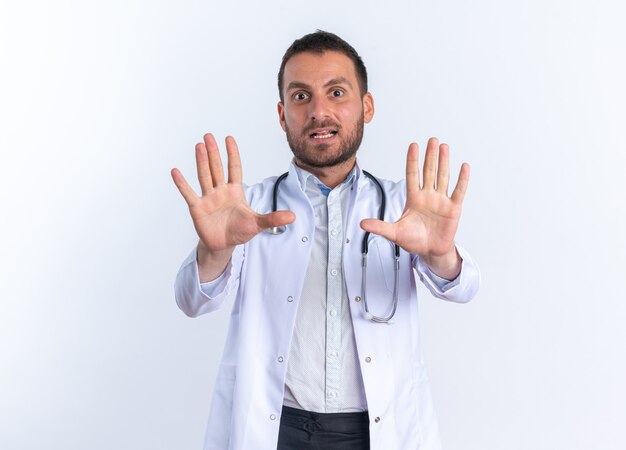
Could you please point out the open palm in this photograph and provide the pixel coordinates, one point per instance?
(430, 218)
(221, 215)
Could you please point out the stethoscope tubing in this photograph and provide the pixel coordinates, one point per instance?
(364, 249)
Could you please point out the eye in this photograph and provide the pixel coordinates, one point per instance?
(337, 93)
(299, 96)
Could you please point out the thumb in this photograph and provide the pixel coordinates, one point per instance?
(275, 219)
(384, 229)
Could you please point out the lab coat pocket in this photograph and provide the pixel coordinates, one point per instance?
(427, 420)
(221, 414)
(422, 389)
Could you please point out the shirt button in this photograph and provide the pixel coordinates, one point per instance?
(332, 394)
(333, 233)
(290, 299)
(347, 241)
(357, 298)
(377, 419)
(305, 238)
(280, 359)
(333, 354)
(333, 272)
(368, 359)
(272, 416)
(333, 312)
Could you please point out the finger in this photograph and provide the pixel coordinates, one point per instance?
(188, 194)
(235, 173)
(215, 160)
(275, 219)
(461, 184)
(412, 169)
(202, 166)
(385, 229)
(443, 169)
(430, 163)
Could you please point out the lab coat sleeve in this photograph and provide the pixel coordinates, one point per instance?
(192, 298)
(214, 287)
(460, 290)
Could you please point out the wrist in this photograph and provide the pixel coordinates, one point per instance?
(211, 263)
(447, 265)
(204, 254)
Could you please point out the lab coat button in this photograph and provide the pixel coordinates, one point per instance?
(357, 298)
(368, 359)
(272, 416)
(305, 238)
(377, 419)
(290, 299)
(280, 359)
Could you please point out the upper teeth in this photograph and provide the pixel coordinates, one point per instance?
(323, 135)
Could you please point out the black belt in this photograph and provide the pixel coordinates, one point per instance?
(302, 430)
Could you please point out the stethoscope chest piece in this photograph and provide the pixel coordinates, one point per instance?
(276, 230)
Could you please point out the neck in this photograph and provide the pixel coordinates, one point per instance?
(331, 176)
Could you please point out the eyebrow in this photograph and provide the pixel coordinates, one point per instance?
(301, 85)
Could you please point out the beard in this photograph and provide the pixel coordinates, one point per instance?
(314, 155)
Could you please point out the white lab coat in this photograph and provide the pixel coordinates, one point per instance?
(267, 275)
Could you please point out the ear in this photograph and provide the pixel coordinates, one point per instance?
(368, 107)
(281, 115)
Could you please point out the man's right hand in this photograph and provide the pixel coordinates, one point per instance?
(222, 216)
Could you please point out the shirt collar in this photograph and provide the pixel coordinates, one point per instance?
(304, 177)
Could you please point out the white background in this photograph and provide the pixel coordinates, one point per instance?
(98, 100)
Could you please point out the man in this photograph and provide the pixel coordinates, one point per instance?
(304, 365)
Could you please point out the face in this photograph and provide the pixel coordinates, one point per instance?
(323, 111)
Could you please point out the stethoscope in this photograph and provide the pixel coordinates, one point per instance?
(364, 249)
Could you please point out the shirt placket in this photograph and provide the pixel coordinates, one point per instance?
(334, 290)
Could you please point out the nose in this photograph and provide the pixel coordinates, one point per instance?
(319, 108)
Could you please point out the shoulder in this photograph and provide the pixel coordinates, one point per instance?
(259, 194)
(393, 189)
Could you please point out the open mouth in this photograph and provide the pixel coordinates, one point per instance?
(323, 134)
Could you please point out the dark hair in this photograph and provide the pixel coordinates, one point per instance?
(320, 42)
